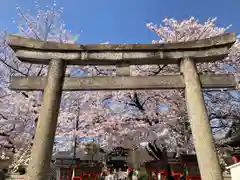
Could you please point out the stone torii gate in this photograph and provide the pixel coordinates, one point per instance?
(185, 54)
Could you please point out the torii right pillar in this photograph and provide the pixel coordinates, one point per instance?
(208, 161)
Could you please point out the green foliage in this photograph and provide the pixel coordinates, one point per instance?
(143, 174)
(143, 177)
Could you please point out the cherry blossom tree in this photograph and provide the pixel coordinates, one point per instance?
(163, 113)
(136, 116)
(19, 110)
(223, 106)
(120, 118)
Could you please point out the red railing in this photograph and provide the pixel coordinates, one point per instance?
(93, 176)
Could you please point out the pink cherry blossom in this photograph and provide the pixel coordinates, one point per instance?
(117, 118)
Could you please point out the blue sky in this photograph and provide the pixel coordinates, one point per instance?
(123, 21)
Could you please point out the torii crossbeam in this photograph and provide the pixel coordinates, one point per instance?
(185, 54)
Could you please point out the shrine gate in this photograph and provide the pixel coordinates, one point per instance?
(185, 54)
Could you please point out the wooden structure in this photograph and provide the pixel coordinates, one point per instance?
(190, 165)
(117, 162)
(117, 159)
(185, 54)
(74, 168)
(183, 166)
(81, 169)
(84, 165)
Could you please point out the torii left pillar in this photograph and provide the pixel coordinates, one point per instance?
(41, 155)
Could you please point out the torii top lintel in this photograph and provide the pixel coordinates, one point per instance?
(40, 52)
